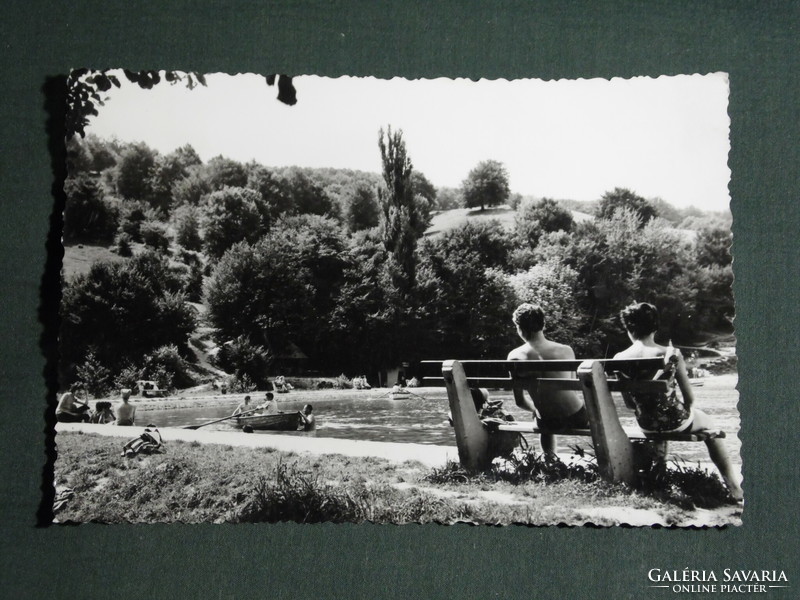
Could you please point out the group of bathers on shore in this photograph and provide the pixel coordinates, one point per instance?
(72, 410)
(655, 413)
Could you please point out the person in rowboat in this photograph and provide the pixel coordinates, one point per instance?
(270, 406)
(244, 406)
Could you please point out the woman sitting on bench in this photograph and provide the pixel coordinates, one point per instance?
(667, 413)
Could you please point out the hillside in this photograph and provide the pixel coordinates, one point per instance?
(449, 219)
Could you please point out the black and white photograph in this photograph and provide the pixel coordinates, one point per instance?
(395, 301)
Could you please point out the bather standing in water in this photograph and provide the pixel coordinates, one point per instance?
(309, 421)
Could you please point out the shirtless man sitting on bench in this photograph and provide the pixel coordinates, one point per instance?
(554, 409)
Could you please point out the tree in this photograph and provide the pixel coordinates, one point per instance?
(401, 220)
(486, 185)
(167, 172)
(533, 219)
(425, 199)
(362, 208)
(464, 304)
(274, 193)
(366, 318)
(551, 285)
(448, 198)
(282, 287)
(622, 198)
(618, 261)
(121, 311)
(134, 172)
(191, 189)
(88, 216)
(713, 246)
(187, 220)
(231, 215)
(223, 172)
(309, 197)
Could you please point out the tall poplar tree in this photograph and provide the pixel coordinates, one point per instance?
(400, 218)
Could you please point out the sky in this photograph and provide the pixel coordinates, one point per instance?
(665, 137)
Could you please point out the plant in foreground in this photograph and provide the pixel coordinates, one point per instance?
(680, 484)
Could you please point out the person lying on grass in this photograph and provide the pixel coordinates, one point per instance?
(667, 412)
(554, 409)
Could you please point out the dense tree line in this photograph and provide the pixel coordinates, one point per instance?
(336, 263)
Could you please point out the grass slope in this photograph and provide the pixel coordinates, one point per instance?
(200, 483)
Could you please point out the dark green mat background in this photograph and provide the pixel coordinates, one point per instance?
(756, 42)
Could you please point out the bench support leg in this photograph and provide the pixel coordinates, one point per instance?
(472, 438)
(612, 446)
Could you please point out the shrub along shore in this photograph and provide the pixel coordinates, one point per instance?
(193, 482)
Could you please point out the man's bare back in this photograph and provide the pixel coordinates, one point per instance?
(549, 404)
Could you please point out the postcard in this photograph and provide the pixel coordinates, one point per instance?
(355, 300)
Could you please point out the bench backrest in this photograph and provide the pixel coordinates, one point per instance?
(509, 374)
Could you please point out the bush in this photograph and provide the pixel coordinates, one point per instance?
(187, 227)
(167, 367)
(131, 219)
(240, 384)
(194, 283)
(343, 382)
(123, 244)
(245, 360)
(154, 234)
(524, 465)
(93, 376)
(302, 498)
(127, 377)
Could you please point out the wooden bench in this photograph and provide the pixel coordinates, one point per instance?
(619, 451)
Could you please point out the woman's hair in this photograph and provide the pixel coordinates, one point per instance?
(640, 319)
(529, 318)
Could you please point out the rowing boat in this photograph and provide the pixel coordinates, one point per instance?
(400, 395)
(281, 421)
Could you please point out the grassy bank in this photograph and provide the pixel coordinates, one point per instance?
(199, 483)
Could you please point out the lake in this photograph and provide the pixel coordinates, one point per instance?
(371, 415)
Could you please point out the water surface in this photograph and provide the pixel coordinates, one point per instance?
(422, 419)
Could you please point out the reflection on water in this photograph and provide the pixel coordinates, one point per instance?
(372, 416)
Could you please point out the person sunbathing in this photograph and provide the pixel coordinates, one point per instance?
(667, 412)
(103, 413)
(71, 410)
(554, 409)
(126, 412)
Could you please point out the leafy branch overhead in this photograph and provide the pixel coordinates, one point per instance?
(86, 90)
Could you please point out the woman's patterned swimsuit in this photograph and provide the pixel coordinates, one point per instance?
(662, 412)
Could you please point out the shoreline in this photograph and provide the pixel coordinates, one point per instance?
(429, 455)
(196, 400)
